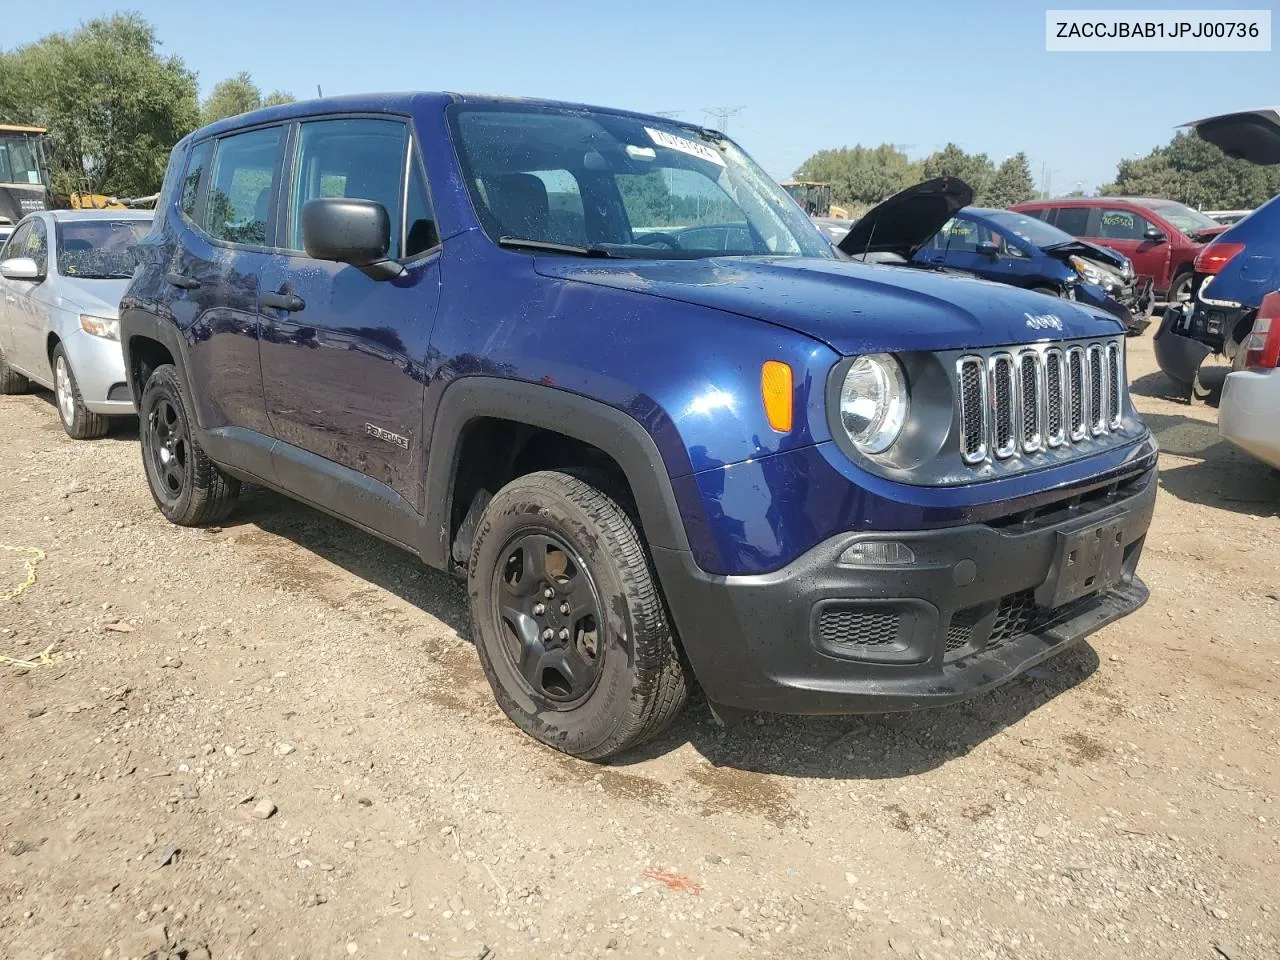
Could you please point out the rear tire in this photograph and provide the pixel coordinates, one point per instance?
(188, 487)
(77, 420)
(11, 381)
(568, 620)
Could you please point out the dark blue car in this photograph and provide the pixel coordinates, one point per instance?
(1002, 246)
(1013, 248)
(494, 332)
(1235, 271)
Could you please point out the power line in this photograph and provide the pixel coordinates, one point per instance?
(722, 115)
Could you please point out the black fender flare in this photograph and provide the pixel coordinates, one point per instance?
(138, 323)
(589, 421)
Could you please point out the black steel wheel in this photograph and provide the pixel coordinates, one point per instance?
(568, 620)
(549, 609)
(187, 486)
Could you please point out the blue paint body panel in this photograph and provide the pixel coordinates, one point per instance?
(1254, 272)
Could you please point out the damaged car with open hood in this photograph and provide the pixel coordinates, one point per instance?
(932, 225)
(493, 332)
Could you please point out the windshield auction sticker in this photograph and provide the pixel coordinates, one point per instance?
(694, 149)
(1157, 30)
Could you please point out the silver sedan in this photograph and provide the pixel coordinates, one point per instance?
(62, 274)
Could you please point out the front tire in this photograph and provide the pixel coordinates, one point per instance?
(188, 487)
(77, 420)
(1180, 289)
(568, 620)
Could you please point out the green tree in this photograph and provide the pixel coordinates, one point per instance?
(236, 95)
(975, 169)
(1196, 173)
(1012, 183)
(113, 105)
(861, 176)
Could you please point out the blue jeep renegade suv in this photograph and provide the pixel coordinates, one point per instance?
(602, 366)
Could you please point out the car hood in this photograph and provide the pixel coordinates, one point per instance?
(1252, 135)
(853, 307)
(1090, 251)
(905, 222)
(98, 297)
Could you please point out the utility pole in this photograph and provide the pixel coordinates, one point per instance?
(722, 115)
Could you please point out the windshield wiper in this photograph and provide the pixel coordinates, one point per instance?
(523, 243)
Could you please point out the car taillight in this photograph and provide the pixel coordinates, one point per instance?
(1262, 345)
(1216, 256)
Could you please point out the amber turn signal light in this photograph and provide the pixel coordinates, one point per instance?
(775, 388)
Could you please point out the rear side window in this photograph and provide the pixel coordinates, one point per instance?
(1073, 220)
(1121, 225)
(195, 177)
(238, 205)
(354, 157)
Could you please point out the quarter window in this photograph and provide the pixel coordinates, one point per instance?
(420, 233)
(38, 245)
(1073, 220)
(197, 167)
(355, 157)
(238, 205)
(16, 246)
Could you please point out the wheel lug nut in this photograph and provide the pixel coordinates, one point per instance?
(548, 593)
(539, 609)
(564, 608)
(548, 634)
(564, 634)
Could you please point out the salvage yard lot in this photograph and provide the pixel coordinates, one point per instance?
(1121, 802)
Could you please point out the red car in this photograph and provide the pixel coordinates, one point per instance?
(1161, 237)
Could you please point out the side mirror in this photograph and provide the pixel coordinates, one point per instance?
(987, 249)
(20, 268)
(350, 230)
(1154, 235)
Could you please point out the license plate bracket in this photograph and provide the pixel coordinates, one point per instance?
(1085, 561)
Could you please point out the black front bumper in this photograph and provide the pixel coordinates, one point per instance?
(818, 637)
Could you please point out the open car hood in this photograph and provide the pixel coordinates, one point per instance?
(905, 222)
(1083, 248)
(1252, 135)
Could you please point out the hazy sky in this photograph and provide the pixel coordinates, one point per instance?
(806, 75)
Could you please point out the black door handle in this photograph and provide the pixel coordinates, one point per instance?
(183, 281)
(282, 301)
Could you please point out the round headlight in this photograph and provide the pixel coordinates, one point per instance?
(873, 402)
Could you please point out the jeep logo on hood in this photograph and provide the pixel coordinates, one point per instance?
(1043, 321)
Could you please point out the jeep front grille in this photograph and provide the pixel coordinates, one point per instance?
(1025, 400)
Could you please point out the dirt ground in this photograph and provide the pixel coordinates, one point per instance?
(1120, 802)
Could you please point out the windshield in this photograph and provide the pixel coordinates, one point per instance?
(99, 249)
(1183, 217)
(1030, 230)
(19, 162)
(622, 186)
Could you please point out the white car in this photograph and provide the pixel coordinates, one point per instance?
(1249, 412)
(62, 274)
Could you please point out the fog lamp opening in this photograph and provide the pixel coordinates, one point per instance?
(878, 553)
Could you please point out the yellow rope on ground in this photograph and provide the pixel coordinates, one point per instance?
(31, 569)
(45, 660)
(34, 556)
